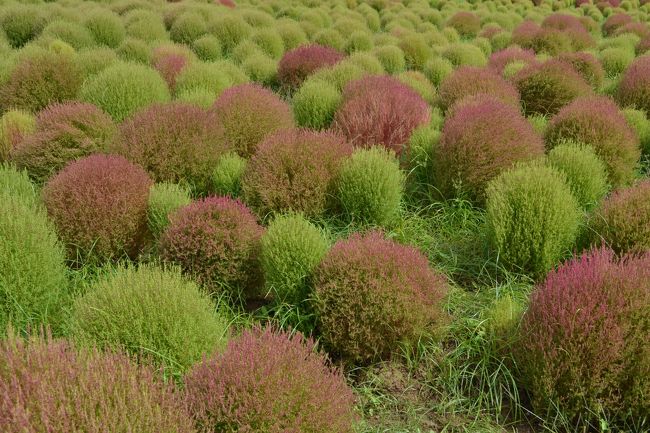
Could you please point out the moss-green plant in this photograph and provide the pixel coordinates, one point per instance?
(230, 29)
(17, 184)
(187, 28)
(14, 125)
(21, 23)
(330, 38)
(464, 54)
(269, 41)
(203, 75)
(369, 186)
(227, 175)
(437, 69)
(638, 120)
(72, 33)
(358, 40)
(391, 57)
(292, 247)
(106, 27)
(164, 199)
(199, 96)
(208, 48)
(146, 25)
(261, 68)
(96, 59)
(315, 104)
(615, 60)
(134, 50)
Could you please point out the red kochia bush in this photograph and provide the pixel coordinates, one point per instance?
(587, 65)
(169, 62)
(642, 30)
(269, 381)
(584, 339)
(634, 87)
(299, 63)
(615, 21)
(470, 81)
(249, 113)
(216, 241)
(372, 294)
(99, 206)
(481, 137)
(596, 121)
(499, 60)
(294, 170)
(174, 142)
(380, 110)
(48, 386)
(64, 132)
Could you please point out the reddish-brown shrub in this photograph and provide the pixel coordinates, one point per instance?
(372, 294)
(615, 21)
(249, 113)
(64, 132)
(99, 207)
(558, 33)
(174, 142)
(227, 3)
(596, 121)
(587, 65)
(525, 33)
(643, 47)
(642, 30)
(634, 88)
(583, 350)
(481, 137)
(466, 23)
(49, 386)
(380, 110)
(294, 170)
(499, 60)
(470, 81)
(269, 381)
(299, 63)
(170, 61)
(217, 242)
(561, 21)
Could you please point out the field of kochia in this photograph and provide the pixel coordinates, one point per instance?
(336, 216)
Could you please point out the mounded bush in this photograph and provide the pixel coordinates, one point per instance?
(94, 60)
(596, 121)
(294, 170)
(315, 104)
(183, 150)
(437, 69)
(261, 69)
(292, 247)
(416, 50)
(187, 28)
(208, 48)
(634, 88)
(146, 25)
(269, 41)
(464, 54)
(622, 221)
(208, 76)
(15, 125)
(99, 207)
(547, 87)
(583, 348)
(122, 89)
(169, 61)
(134, 50)
(587, 65)
(417, 81)
(470, 81)
(17, 184)
(391, 58)
(638, 120)
(614, 21)
(467, 24)
(268, 380)
(532, 218)
(49, 385)
(373, 294)
(230, 29)
(369, 187)
(70, 32)
(616, 60)
(164, 199)
(500, 59)
(150, 312)
(216, 241)
(21, 23)
(228, 173)
(106, 27)
(481, 137)
(296, 65)
(64, 132)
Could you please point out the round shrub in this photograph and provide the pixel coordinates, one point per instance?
(416, 50)
(72, 33)
(228, 173)
(208, 48)
(585, 172)
(64, 132)
(380, 110)
(481, 137)
(583, 347)
(291, 33)
(145, 25)
(532, 218)
(315, 104)
(99, 207)
(466, 24)
(216, 241)
(500, 59)
(105, 27)
(359, 40)
(292, 247)
(124, 88)
(40, 79)
(49, 385)
(464, 54)
(616, 60)
(134, 50)
(634, 88)
(293, 169)
(183, 150)
(369, 187)
(391, 58)
(17, 184)
(587, 65)
(470, 81)
(615, 21)
(269, 41)
(15, 125)
(547, 87)
(164, 199)
(207, 76)
(21, 23)
(230, 29)
(296, 65)
(372, 294)
(261, 69)
(249, 113)
(622, 221)
(417, 81)
(330, 37)
(437, 69)
(187, 28)
(268, 380)
(596, 121)
(94, 60)
(151, 312)
(639, 122)
(169, 61)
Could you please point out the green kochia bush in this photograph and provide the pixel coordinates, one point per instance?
(532, 218)
(638, 120)
(164, 199)
(315, 104)
(227, 175)
(291, 248)
(106, 27)
(369, 186)
(14, 126)
(151, 312)
(21, 23)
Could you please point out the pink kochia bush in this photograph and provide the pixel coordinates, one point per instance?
(64, 132)
(584, 340)
(169, 62)
(597, 122)
(471, 81)
(380, 110)
(613, 22)
(299, 63)
(249, 113)
(47, 385)
(269, 381)
(634, 87)
(216, 241)
(372, 294)
(294, 170)
(499, 60)
(175, 142)
(587, 65)
(481, 137)
(99, 207)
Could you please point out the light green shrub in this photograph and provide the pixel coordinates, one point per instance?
(227, 175)
(358, 41)
(199, 96)
(105, 27)
(464, 54)
(187, 28)
(292, 34)
(437, 69)
(269, 41)
(417, 51)
(315, 104)
(616, 60)
(164, 199)
(391, 57)
(230, 29)
(330, 38)
(207, 48)
(14, 125)
(21, 23)
(261, 68)
(134, 50)
(641, 124)
(96, 59)
(74, 34)
(201, 75)
(145, 25)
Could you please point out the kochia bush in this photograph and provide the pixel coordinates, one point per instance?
(315, 104)
(634, 88)
(470, 81)
(14, 126)
(164, 199)
(296, 65)
(466, 24)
